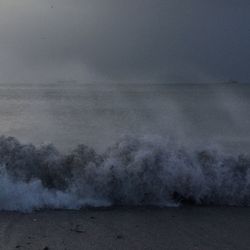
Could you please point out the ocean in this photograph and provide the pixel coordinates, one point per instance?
(99, 114)
(140, 144)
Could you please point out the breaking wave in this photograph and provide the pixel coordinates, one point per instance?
(133, 172)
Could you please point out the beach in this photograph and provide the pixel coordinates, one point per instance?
(187, 227)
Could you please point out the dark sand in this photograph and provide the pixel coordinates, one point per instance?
(126, 228)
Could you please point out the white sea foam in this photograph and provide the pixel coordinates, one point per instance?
(132, 172)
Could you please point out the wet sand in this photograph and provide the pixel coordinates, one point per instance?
(205, 228)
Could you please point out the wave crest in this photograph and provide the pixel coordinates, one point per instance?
(132, 172)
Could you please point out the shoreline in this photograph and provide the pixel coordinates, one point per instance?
(185, 227)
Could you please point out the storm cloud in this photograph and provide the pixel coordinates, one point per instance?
(124, 41)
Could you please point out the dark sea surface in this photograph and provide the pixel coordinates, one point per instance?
(68, 114)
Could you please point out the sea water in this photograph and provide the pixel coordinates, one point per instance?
(141, 144)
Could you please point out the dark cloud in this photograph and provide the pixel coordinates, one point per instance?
(139, 40)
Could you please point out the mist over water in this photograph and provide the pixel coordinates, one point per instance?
(141, 144)
(144, 143)
(99, 114)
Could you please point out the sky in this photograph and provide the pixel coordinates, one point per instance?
(159, 41)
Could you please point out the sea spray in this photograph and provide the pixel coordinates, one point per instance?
(133, 172)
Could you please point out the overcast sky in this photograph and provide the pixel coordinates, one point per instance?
(124, 40)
